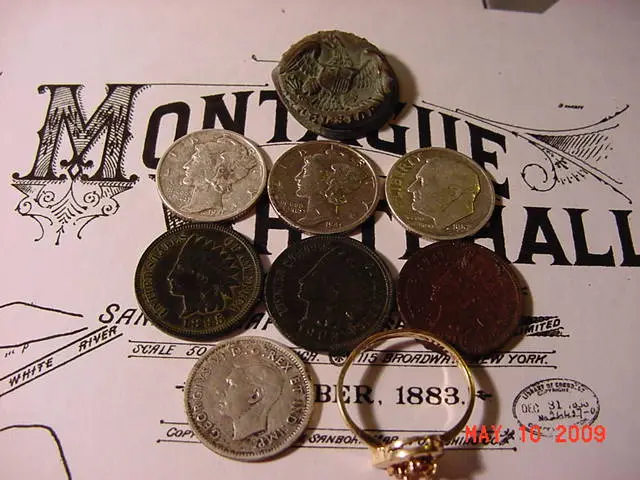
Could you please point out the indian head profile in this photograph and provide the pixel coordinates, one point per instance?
(204, 276)
(250, 393)
(442, 193)
(326, 181)
(212, 171)
(335, 292)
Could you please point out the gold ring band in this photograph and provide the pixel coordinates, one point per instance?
(408, 457)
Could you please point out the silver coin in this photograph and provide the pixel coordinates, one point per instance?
(439, 193)
(211, 175)
(248, 398)
(323, 187)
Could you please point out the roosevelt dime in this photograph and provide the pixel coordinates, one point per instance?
(463, 293)
(439, 193)
(328, 293)
(198, 281)
(211, 175)
(337, 84)
(248, 398)
(323, 187)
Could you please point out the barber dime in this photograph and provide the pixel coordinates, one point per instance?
(249, 398)
(198, 281)
(323, 187)
(439, 194)
(337, 84)
(327, 294)
(463, 293)
(211, 175)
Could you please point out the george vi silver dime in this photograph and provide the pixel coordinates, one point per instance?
(248, 398)
(439, 193)
(211, 175)
(323, 187)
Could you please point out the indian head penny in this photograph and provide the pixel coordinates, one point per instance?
(211, 176)
(329, 293)
(463, 293)
(198, 281)
(337, 84)
(249, 398)
(439, 194)
(323, 187)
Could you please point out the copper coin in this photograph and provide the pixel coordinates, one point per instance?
(328, 293)
(463, 293)
(198, 281)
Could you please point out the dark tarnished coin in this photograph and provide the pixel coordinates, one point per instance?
(323, 187)
(198, 281)
(328, 293)
(337, 84)
(439, 193)
(248, 398)
(463, 293)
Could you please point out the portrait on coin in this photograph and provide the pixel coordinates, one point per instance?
(250, 392)
(212, 170)
(335, 292)
(203, 276)
(326, 181)
(443, 192)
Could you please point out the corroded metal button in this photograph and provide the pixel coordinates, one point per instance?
(337, 84)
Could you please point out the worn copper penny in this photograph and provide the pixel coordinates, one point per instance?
(323, 187)
(198, 281)
(463, 293)
(337, 84)
(328, 293)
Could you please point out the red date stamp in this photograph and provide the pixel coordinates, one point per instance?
(492, 434)
(566, 433)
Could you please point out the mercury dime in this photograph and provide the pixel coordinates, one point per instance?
(249, 398)
(323, 187)
(337, 84)
(328, 293)
(463, 293)
(198, 281)
(439, 193)
(211, 175)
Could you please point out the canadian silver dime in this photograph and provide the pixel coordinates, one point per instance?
(439, 193)
(323, 187)
(248, 398)
(211, 175)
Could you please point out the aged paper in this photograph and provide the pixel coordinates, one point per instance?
(92, 93)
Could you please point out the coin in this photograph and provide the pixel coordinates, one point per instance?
(328, 293)
(337, 84)
(248, 398)
(198, 280)
(463, 293)
(323, 187)
(439, 193)
(211, 175)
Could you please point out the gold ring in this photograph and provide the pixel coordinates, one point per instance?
(412, 457)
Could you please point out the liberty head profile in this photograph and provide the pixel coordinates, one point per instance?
(212, 171)
(249, 394)
(336, 292)
(326, 181)
(204, 275)
(443, 193)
